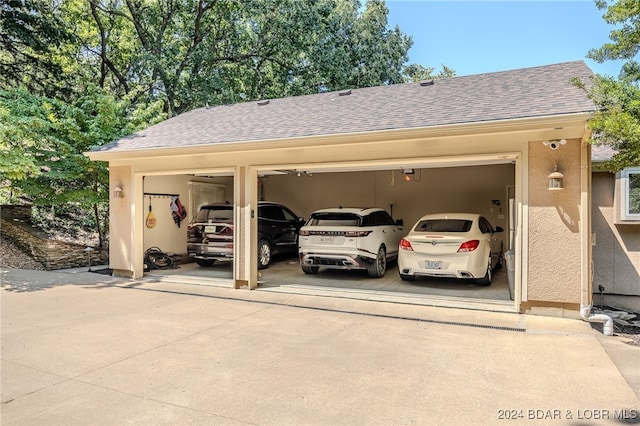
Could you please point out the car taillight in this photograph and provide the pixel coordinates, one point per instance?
(405, 245)
(470, 245)
(304, 233)
(356, 233)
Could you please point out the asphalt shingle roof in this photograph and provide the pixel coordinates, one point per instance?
(515, 94)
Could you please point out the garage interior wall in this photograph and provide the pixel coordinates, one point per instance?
(166, 235)
(474, 189)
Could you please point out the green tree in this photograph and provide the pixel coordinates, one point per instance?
(30, 30)
(617, 120)
(416, 72)
(42, 141)
(189, 53)
(625, 39)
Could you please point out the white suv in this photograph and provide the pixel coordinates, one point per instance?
(349, 238)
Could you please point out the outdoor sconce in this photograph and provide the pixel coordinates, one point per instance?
(408, 173)
(118, 191)
(556, 180)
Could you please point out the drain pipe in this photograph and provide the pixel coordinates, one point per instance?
(585, 311)
(607, 327)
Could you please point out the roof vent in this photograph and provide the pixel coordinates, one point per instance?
(261, 103)
(427, 83)
(345, 93)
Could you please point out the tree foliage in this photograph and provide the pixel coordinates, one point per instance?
(42, 141)
(189, 53)
(30, 30)
(625, 38)
(617, 120)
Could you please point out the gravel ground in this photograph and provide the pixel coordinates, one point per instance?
(12, 257)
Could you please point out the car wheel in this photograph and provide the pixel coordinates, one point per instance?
(379, 266)
(486, 280)
(310, 269)
(500, 262)
(264, 254)
(205, 262)
(405, 277)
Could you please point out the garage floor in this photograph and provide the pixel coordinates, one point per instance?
(285, 276)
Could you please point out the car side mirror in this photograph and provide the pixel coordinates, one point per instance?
(301, 219)
(499, 229)
(400, 222)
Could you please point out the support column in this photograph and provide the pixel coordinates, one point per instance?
(139, 214)
(122, 222)
(245, 271)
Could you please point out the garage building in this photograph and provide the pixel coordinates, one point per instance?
(487, 144)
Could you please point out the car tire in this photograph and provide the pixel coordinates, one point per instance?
(500, 262)
(405, 277)
(486, 280)
(205, 262)
(379, 265)
(310, 269)
(264, 254)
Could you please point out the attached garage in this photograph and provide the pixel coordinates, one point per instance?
(475, 143)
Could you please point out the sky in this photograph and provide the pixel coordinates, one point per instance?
(475, 37)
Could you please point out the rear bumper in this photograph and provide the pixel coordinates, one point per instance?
(436, 274)
(414, 265)
(334, 261)
(207, 252)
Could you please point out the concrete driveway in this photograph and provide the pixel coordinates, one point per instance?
(85, 349)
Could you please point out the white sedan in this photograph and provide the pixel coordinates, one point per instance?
(454, 245)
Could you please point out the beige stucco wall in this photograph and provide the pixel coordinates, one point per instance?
(616, 253)
(554, 249)
(121, 208)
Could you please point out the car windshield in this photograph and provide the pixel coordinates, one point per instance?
(217, 214)
(334, 219)
(443, 225)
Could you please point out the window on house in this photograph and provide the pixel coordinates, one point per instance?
(630, 194)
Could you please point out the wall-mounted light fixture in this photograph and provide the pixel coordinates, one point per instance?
(408, 173)
(556, 179)
(118, 191)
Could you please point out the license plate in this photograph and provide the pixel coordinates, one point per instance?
(431, 264)
(326, 239)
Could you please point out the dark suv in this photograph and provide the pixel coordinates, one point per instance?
(210, 233)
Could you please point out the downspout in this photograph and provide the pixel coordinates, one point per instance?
(607, 327)
(585, 202)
